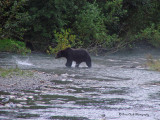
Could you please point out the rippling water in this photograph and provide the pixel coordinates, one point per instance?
(117, 87)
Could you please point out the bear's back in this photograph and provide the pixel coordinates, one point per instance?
(80, 55)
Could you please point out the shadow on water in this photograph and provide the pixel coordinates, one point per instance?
(111, 89)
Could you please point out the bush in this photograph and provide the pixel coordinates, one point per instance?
(64, 39)
(113, 11)
(153, 64)
(151, 35)
(9, 45)
(13, 16)
(90, 26)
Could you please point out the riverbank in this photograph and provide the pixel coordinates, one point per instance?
(34, 79)
(30, 80)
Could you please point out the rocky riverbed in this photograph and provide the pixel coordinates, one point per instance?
(117, 87)
(31, 79)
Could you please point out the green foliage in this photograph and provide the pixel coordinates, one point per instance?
(12, 17)
(64, 40)
(112, 40)
(90, 25)
(141, 13)
(151, 35)
(9, 45)
(46, 16)
(113, 12)
(153, 64)
(96, 23)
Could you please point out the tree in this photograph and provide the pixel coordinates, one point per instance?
(12, 17)
(89, 25)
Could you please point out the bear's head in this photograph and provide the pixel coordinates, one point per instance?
(59, 54)
(63, 53)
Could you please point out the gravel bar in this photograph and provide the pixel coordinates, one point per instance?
(37, 80)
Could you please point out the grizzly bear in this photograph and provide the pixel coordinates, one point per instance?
(77, 55)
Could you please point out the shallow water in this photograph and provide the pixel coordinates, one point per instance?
(117, 87)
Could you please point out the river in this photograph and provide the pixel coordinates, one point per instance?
(117, 87)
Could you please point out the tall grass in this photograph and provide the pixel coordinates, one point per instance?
(8, 72)
(153, 64)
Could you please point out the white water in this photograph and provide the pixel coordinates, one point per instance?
(25, 62)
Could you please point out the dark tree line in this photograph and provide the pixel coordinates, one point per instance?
(98, 24)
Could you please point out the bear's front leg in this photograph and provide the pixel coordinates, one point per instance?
(68, 63)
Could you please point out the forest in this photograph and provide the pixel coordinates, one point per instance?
(97, 25)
